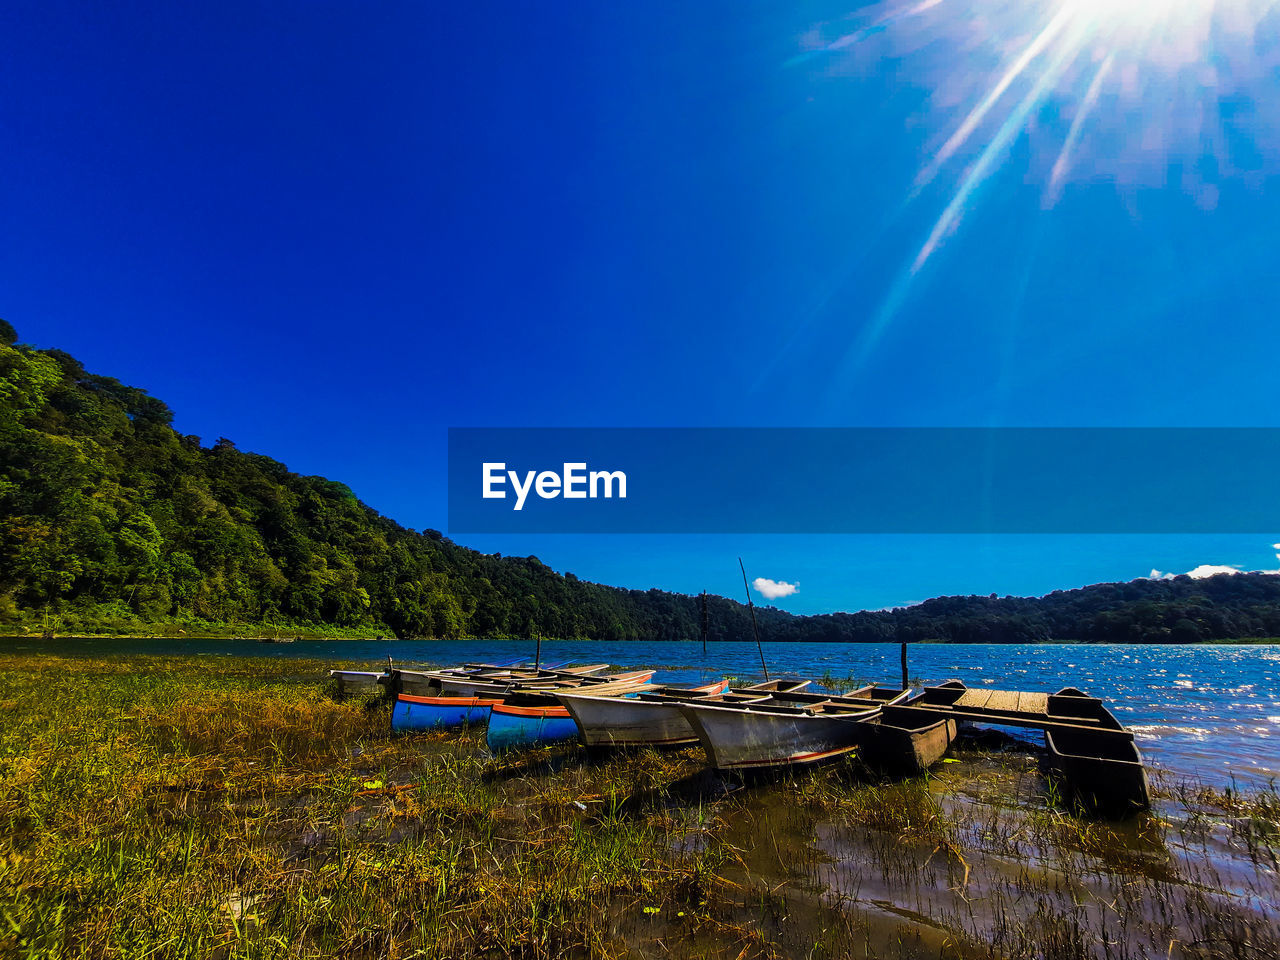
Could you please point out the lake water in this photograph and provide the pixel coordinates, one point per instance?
(1206, 711)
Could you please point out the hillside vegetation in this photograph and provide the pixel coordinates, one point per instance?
(112, 521)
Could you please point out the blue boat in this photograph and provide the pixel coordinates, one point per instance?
(438, 713)
(525, 718)
(513, 725)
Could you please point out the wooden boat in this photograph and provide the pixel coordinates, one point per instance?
(785, 729)
(486, 678)
(648, 717)
(365, 682)
(352, 683)
(443, 710)
(904, 741)
(1018, 708)
(528, 716)
(493, 682)
(1088, 753)
(1099, 771)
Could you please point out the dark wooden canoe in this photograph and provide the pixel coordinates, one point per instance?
(904, 741)
(1088, 753)
(1098, 771)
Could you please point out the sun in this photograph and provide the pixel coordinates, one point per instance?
(1104, 93)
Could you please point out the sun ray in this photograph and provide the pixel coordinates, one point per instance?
(991, 153)
(976, 116)
(1150, 92)
(1062, 164)
(986, 163)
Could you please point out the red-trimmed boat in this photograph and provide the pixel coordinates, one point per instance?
(527, 717)
(432, 711)
(786, 729)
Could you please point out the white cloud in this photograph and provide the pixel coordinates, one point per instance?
(1205, 570)
(1199, 573)
(773, 589)
(1210, 570)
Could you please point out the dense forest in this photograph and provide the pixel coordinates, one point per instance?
(112, 521)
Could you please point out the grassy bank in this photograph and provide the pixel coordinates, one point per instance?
(226, 807)
(121, 623)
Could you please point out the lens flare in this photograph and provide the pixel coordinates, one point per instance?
(1135, 93)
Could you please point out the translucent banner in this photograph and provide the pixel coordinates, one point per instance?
(864, 480)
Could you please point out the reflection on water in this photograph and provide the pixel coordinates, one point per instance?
(1211, 711)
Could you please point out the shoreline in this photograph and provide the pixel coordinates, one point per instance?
(312, 637)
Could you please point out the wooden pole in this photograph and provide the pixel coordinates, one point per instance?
(537, 657)
(754, 629)
(904, 665)
(704, 623)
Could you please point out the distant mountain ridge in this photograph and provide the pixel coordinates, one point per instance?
(112, 521)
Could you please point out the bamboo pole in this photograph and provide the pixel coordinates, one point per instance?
(754, 629)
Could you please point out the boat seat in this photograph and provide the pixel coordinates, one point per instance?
(1005, 701)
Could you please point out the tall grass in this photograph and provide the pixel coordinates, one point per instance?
(226, 807)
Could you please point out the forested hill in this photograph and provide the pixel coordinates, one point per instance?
(110, 520)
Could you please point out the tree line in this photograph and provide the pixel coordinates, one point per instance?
(112, 520)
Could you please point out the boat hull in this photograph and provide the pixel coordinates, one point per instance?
(906, 742)
(356, 683)
(482, 686)
(511, 726)
(418, 683)
(745, 739)
(1099, 772)
(627, 722)
(436, 713)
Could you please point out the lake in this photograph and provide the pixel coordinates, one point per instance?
(1207, 711)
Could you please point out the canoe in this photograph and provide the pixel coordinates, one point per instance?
(412, 712)
(486, 678)
(482, 684)
(904, 741)
(393, 681)
(434, 710)
(1088, 753)
(1098, 771)
(1016, 708)
(415, 682)
(649, 717)
(785, 729)
(353, 683)
(534, 716)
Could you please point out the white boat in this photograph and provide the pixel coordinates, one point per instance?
(426, 683)
(395, 680)
(489, 683)
(650, 717)
(785, 729)
(356, 682)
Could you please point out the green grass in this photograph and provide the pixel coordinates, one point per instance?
(217, 807)
(228, 808)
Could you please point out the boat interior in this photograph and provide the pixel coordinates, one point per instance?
(1116, 745)
(1018, 708)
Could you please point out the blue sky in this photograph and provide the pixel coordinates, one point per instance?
(330, 233)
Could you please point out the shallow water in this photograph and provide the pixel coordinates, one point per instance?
(1208, 711)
